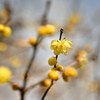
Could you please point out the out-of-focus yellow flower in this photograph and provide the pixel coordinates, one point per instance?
(46, 29)
(82, 53)
(6, 13)
(1, 27)
(7, 32)
(15, 62)
(33, 41)
(70, 72)
(51, 29)
(82, 58)
(3, 47)
(74, 19)
(69, 28)
(94, 87)
(42, 30)
(53, 74)
(59, 68)
(61, 46)
(46, 82)
(5, 74)
(52, 61)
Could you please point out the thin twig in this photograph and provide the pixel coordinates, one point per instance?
(34, 85)
(47, 90)
(47, 8)
(26, 73)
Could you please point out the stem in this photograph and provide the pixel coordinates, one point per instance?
(47, 90)
(47, 8)
(26, 73)
(61, 31)
(43, 97)
(32, 86)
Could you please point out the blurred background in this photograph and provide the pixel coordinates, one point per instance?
(24, 18)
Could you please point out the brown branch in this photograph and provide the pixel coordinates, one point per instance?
(47, 8)
(26, 73)
(47, 90)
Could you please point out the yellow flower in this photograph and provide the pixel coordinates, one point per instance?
(82, 58)
(74, 19)
(94, 86)
(53, 74)
(52, 61)
(46, 29)
(7, 32)
(61, 46)
(33, 41)
(1, 27)
(70, 72)
(15, 62)
(82, 53)
(51, 29)
(59, 68)
(46, 82)
(3, 47)
(5, 74)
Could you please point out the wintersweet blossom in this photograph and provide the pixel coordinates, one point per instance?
(61, 46)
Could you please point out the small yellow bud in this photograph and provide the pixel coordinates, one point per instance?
(52, 61)
(1, 27)
(15, 86)
(51, 29)
(7, 32)
(33, 41)
(42, 30)
(54, 75)
(59, 68)
(5, 74)
(46, 82)
(70, 72)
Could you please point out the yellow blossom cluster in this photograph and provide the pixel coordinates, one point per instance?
(5, 31)
(5, 74)
(46, 30)
(61, 46)
(81, 58)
